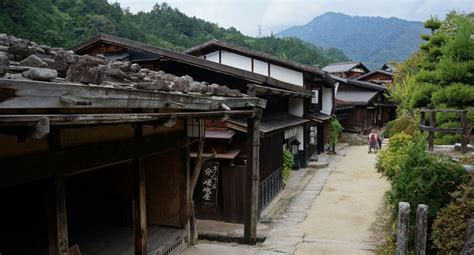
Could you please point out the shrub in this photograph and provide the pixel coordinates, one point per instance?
(288, 162)
(336, 129)
(449, 227)
(421, 97)
(389, 160)
(405, 124)
(456, 95)
(425, 179)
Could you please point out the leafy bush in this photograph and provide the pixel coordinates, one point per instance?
(456, 95)
(425, 179)
(421, 97)
(449, 227)
(405, 124)
(389, 160)
(336, 129)
(288, 162)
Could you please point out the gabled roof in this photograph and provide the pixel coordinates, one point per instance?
(372, 73)
(389, 67)
(356, 97)
(362, 84)
(186, 59)
(343, 67)
(213, 44)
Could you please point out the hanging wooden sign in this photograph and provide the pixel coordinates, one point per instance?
(210, 177)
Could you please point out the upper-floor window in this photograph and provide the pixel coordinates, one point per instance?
(315, 98)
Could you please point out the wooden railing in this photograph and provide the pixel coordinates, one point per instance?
(269, 188)
(465, 130)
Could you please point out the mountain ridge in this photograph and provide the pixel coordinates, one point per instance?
(371, 40)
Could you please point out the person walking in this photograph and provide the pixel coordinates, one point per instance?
(373, 143)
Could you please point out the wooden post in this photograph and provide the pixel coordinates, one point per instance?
(189, 201)
(57, 222)
(252, 212)
(421, 229)
(465, 132)
(431, 132)
(422, 118)
(403, 224)
(139, 201)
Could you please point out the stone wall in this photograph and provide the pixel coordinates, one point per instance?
(353, 139)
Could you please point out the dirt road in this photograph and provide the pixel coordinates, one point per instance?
(340, 219)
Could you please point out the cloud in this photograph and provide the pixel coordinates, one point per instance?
(275, 15)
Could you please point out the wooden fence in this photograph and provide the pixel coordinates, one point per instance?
(465, 130)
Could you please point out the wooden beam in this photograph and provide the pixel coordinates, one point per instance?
(252, 211)
(22, 94)
(431, 132)
(442, 130)
(139, 205)
(18, 120)
(57, 222)
(29, 168)
(465, 132)
(265, 90)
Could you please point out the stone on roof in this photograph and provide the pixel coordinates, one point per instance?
(22, 59)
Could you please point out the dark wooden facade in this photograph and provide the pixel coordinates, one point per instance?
(363, 107)
(113, 169)
(230, 186)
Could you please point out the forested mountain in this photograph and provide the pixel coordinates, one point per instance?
(372, 40)
(68, 22)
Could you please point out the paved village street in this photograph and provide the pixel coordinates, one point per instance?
(333, 214)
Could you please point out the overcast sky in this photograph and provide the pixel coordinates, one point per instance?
(275, 15)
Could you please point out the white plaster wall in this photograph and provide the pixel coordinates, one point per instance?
(327, 101)
(295, 107)
(235, 60)
(260, 67)
(286, 75)
(213, 56)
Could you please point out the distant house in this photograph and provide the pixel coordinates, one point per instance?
(377, 76)
(389, 67)
(361, 105)
(347, 69)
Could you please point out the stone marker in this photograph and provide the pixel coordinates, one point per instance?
(33, 61)
(421, 229)
(403, 223)
(40, 74)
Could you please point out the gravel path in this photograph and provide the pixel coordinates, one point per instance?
(340, 218)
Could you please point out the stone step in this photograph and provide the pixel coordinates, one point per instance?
(318, 164)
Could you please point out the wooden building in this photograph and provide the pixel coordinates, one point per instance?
(314, 135)
(104, 167)
(377, 77)
(389, 67)
(347, 70)
(361, 106)
(288, 102)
